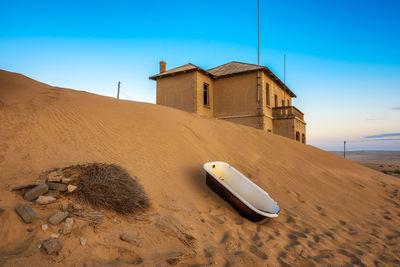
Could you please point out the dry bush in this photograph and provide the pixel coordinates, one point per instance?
(107, 186)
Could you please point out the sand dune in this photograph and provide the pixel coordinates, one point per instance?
(334, 211)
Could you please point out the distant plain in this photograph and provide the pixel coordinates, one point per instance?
(383, 161)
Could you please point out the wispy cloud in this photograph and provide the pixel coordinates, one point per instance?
(396, 108)
(383, 135)
(375, 119)
(381, 139)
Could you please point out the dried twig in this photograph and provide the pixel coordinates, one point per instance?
(93, 217)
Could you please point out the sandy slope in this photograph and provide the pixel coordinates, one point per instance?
(333, 210)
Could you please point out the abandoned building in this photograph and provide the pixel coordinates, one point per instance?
(238, 92)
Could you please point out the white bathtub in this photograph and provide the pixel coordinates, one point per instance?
(246, 197)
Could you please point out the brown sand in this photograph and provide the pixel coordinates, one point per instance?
(334, 211)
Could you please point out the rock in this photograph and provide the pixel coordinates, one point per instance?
(66, 180)
(175, 258)
(83, 241)
(44, 227)
(56, 179)
(58, 217)
(54, 235)
(57, 186)
(44, 200)
(30, 230)
(23, 187)
(68, 226)
(130, 239)
(51, 246)
(71, 188)
(36, 192)
(26, 213)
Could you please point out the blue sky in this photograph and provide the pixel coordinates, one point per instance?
(343, 57)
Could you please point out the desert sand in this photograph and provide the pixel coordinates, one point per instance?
(333, 211)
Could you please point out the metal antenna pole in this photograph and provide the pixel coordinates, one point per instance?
(258, 53)
(344, 149)
(284, 68)
(260, 120)
(258, 22)
(119, 85)
(284, 79)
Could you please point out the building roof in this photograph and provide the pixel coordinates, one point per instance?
(235, 67)
(231, 68)
(183, 68)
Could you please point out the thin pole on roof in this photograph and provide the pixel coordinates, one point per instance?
(258, 52)
(258, 31)
(260, 120)
(284, 68)
(284, 79)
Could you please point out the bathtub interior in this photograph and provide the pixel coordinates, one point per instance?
(243, 187)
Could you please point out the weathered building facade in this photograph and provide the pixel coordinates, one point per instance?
(239, 92)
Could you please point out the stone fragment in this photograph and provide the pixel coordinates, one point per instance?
(56, 179)
(53, 173)
(54, 235)
(83, 241)
(44, 200)
(23, 187)
(71, 188)
(68, 226)
(51, 246)
(58, 217)
(175, 258)
(26, 213)
(30, 230)
(44, 227)
(130, 239)
(57, 186)
(36, 192)
(66, 180)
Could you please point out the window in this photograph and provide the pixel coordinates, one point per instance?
(288, 103)
(276, 100)
(206, 95)
(297, 136)
(283, 103)
(267, 94)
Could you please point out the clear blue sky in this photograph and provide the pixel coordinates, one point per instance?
(343, 57)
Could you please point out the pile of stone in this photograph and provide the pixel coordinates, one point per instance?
(56, 182)
(43, 194)
(47, 192)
